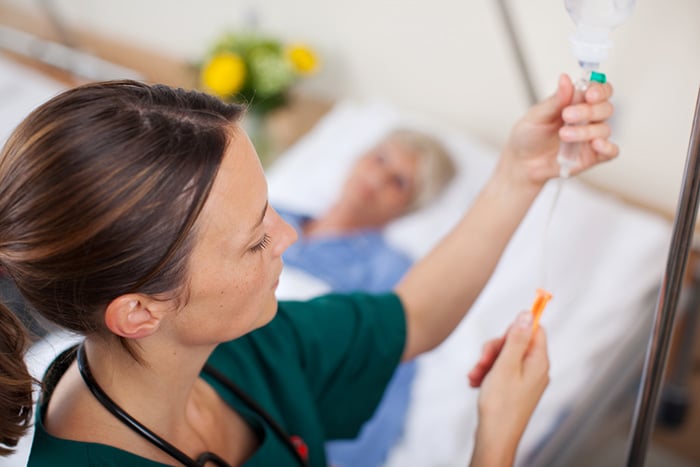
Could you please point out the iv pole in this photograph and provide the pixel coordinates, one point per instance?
(659, 340)
(514, 41)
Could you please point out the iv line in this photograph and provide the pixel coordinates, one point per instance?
(568, 159)
(545, 233)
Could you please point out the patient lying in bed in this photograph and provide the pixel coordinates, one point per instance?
(605, 262)
(345, 248)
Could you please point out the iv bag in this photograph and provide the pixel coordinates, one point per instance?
(594, 20)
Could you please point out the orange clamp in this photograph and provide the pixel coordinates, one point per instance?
(538, 306)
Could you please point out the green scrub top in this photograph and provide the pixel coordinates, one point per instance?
(319, 369)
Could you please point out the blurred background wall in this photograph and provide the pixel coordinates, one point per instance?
(451, 60)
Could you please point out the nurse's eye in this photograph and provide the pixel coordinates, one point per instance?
(262, 244)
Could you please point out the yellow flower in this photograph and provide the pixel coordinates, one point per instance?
(303, 59)
(224, 74)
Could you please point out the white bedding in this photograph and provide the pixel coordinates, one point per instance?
(603, 265)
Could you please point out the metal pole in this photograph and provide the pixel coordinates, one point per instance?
(64, 35)
(659, 341)
(507, 19)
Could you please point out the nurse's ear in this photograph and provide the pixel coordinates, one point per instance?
(134, 315)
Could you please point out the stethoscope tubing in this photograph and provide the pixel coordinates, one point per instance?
(161, 443)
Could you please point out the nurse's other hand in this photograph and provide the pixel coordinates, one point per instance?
(510, 390)
(489, 353)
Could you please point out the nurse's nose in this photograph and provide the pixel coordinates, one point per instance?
(286, 234)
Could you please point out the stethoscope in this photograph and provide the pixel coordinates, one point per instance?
(295, 443)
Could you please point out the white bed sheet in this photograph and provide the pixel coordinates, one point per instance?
(604, 263)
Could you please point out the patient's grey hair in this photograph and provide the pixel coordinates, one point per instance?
(436, 168)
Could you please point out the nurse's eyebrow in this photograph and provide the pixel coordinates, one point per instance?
(262, 216)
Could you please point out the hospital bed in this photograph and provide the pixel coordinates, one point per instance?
(601, 259)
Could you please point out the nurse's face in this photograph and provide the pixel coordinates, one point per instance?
(236, 261)
(382, 182)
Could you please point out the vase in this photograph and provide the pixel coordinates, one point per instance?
(255, 124)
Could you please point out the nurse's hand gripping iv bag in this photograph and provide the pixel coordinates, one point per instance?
(594, 20)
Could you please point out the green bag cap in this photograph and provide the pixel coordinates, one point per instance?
(598, 77)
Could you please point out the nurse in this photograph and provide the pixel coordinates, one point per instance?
(138, 216)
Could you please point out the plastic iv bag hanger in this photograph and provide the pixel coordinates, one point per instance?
(594, 20)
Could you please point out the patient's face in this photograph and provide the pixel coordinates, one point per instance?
(382, 183)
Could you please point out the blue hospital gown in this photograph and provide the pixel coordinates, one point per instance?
(361, 261)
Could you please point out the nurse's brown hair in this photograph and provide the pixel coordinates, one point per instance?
(100, 188)
(15, 382)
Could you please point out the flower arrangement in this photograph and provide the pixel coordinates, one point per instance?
(256, 70)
